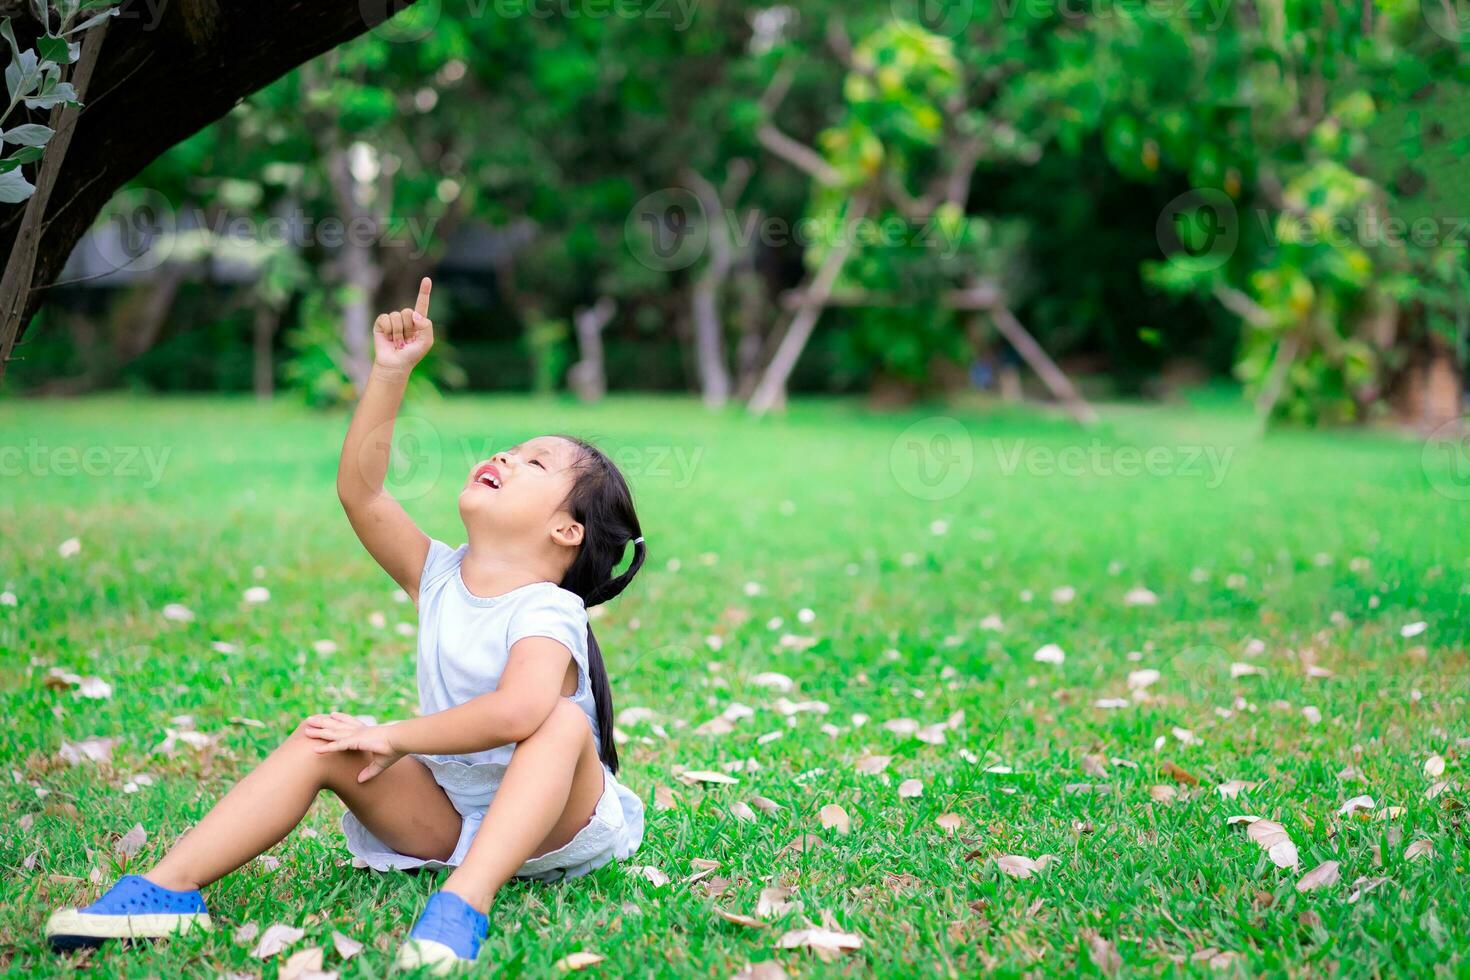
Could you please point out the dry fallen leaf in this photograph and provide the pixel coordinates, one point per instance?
(1274, 840)
(1018, 866)
(1049, 654)
(871, 765)
(692, 776)
(1421, 848)
(276, 938)
(833, 817)
(129, 843)
(910, 788)
(301, 964)
(741, 810)
(1321, 876)
(1163, 794)
(826, 943)
(764, 970)
(764, 805)
(346, 946)
(1102, 952)
(773, 902)
(578, 961)
(1434, 766)
(1355, 804)
(1230, 790)
(950, 822)
(1179, 774)
(749, 921)
(246, 933)
(647, 872)
(664, 798)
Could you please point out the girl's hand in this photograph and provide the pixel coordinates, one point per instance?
(403, 337)
(339, 732)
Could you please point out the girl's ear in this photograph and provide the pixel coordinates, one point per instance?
(568, 533)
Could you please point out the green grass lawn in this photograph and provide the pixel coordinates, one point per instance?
(903, 570)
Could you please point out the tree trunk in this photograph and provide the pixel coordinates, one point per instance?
(588, 377)
(709, 329)
(167, 71)
(771, 391)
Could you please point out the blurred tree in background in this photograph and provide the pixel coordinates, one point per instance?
(647, 196)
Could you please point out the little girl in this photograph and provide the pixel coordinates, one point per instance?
(509, 769)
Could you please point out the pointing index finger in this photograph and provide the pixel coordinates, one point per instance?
(422, 306)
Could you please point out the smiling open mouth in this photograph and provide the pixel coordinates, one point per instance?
(488, 477)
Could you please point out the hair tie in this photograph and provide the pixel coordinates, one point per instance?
(638, 540)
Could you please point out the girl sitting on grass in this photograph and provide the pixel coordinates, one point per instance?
(508, 770)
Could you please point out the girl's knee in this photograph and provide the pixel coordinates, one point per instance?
(566, 721)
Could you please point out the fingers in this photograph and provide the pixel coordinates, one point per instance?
(422, 306)
(372, 770)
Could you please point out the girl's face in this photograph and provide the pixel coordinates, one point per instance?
(521, 490)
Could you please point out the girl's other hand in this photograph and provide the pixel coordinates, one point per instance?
(403, 337)
(340, 732)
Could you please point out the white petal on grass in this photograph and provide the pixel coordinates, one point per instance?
(1112, 704)
(92, 749)
(276, 938)
(1049, 654)
(1411, 630)
(1139, 680)
(7, 598)
(1240, 669)
(1140, 596)
(834, 817)
(69, 548)
(1434, 766)
(177, 612)
(1063, 594)
(578, 961)
(1312, 714)
(1324, 874)
(773, 680)
(325, 647)
(257, 594)
(910, 788)
(788, 707)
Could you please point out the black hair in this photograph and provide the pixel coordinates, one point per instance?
(602, 503)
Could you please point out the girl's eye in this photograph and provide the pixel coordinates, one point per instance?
(537, 462)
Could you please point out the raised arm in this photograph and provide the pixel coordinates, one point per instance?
(400, 340)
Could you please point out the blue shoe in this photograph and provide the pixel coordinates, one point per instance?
(446, 937)
(134, 908)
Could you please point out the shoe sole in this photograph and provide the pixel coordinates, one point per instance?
(425, 954)
(74, 929)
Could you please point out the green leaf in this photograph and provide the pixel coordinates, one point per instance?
(112, 12)
(58, 50)
(30, 134)
(63, 92)
(9, 35)
(14, 188)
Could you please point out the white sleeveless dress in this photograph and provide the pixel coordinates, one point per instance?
(464, 644)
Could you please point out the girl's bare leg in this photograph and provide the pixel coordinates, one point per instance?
(549, 792)
(402, 806)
